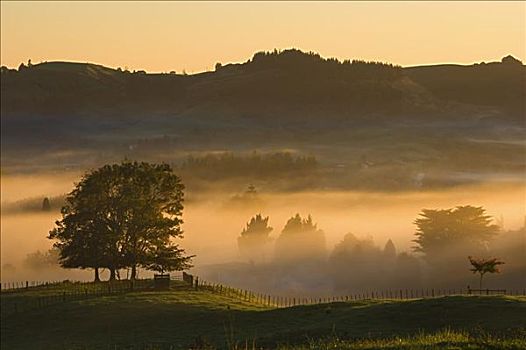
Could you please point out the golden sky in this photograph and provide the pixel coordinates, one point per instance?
(165, 36)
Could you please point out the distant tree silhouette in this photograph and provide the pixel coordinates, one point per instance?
(218, 66)
(354, 260)
(300, 239)
(251, 190)
(256, 165)
(484, 266)
(42, 260)
(357, 263)
(511, 60)
(254, 237)
(46, 205)
(389, 250)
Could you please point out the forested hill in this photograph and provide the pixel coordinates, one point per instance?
(278, 85)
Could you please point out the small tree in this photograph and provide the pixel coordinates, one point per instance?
(389, 250)
(167, 258)
(483, 266)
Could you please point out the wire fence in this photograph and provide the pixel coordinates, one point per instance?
(27, 285)
(398, 294)
(30, 296)
(41, 294)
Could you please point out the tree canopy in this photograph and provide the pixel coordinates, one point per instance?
(257, 226)
(117, 216)
(440, 231)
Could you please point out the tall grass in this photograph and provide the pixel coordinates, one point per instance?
(445, 339)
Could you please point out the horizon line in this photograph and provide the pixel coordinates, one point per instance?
(184, 72)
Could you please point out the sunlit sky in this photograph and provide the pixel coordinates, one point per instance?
(165, 36)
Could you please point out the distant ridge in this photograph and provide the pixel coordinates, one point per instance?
(291, 83)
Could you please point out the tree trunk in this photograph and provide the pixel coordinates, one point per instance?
(480, 283)
(133, 275)
(112, 275)
(97, 277)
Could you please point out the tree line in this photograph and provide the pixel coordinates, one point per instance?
(255, 165)
(446, 241)
(128, 215)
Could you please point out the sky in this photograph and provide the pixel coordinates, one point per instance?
(193, 36)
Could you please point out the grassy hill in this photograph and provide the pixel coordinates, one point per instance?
(185, 318)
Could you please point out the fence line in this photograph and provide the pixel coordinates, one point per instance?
(54, 293)
(271, 300)
(24, 285)
(86, 290)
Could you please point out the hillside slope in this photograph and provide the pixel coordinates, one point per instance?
(429, 119)
(289, 83)
(187, 318)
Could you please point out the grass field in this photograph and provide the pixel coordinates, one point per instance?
(185, 318)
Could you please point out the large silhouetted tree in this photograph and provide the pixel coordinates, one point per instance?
(440, 232)
(117, 214)
(84, 237)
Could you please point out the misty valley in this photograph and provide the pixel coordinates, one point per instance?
(360, 148)
(301, 196)
(366, 237)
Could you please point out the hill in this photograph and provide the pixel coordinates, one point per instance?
(290, 83)
(439, 121)
(184, 318)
